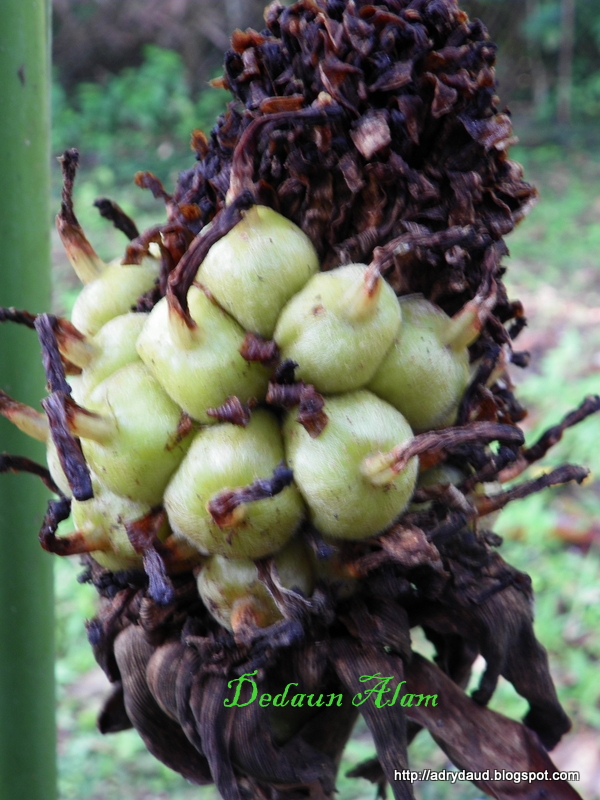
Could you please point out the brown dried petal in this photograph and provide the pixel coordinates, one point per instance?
(162, 736)
(444, 97)
(273, 105)
(371, 133)
(397, 76)
(495, 132)
(477, 739)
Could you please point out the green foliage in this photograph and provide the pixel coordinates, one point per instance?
(142, 116)
(558, 243)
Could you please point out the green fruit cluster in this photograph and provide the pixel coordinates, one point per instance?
(154, 391)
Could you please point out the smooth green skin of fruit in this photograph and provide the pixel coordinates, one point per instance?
(257, 267)
(228, 456)
(106, 514)
(342, 502)
(421, 376)
(333, 351)
(224, 583)
(114, 346)
(139, 460)
(206, 373)
(113, 293)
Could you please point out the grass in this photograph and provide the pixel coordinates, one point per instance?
(550, 535)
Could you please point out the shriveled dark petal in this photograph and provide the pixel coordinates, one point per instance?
(161, 675)
(371, 133)
(397, 76)
(253, 752)
(488, 603)
(494, 132)
(214, 725)
(161, 735)
(444, 97)
(477, 739)
(353, 663)
(113, 715)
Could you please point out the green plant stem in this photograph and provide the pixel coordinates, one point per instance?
(27, 726)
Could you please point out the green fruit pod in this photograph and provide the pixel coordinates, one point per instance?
(257, 267)
(223, 463)
(101, 355)
(339, 328)
(135, 436)
(426, 371)
(101, 522)
(112, 293)
(199, 367)
(348, 496)
(234, 594)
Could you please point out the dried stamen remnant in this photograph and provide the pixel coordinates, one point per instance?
(139, 247)
(143, 535)
(184, 428)
(45, 325)
(310, 412)
(147, 180)
(68, 447)
(549, 438)
(183, 275)
(113, 212)
(22, 464)
(21, 317)
(285, 372)
(286, 395)
(84, 259)
(380, 466)
(75, 348)
(564, 474)
(228, 508)
(25, 418)
(264, 351)
(57, 512)
(232, 411)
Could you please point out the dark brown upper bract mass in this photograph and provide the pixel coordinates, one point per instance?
(363, 123)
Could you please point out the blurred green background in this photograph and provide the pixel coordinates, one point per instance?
(130, 83)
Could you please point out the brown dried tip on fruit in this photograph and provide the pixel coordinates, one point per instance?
(232, 411)
(310, 404)
(84, 259)
(225, 507)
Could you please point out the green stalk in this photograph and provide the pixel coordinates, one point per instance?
(27, 723)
